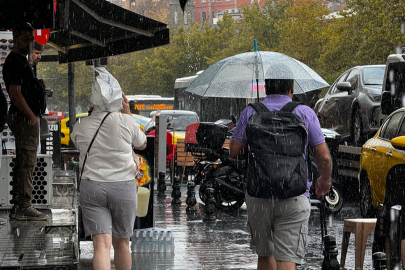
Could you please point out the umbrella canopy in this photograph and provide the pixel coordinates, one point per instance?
(237, 76)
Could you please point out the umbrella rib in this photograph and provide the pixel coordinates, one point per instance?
(295, 81)
(209, 85)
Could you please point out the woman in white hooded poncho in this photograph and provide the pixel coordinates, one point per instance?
(108, 188)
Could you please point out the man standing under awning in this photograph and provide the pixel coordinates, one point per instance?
(27, 97)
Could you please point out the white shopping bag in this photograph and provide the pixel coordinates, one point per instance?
(106, 93)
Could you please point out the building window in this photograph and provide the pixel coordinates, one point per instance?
(213, 15)
(175, 18)
(185, 18)
(203, 16)
(203, 1)
(219, 0)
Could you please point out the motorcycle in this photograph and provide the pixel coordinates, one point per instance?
(227, 177)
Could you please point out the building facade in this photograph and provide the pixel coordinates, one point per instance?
(208, 10)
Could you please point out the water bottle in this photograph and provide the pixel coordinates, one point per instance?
(161, 240)
(169, 242)
(141, 241)
(148, 242)
(135, 242)
(155, 241)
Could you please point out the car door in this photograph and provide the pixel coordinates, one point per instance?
(329, 111)
(382, 155)
(345, 101)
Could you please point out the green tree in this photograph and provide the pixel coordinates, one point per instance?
(302, 32)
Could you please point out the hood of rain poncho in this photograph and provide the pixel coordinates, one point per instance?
(106, 93)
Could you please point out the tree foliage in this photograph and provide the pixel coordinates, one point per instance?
(367, 33)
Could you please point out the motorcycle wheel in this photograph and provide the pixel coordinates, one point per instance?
(226, 199)
(334, 200)
(201, 191)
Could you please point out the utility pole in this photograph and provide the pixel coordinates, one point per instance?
(71, 95)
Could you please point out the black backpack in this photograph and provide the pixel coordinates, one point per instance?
(276, 142)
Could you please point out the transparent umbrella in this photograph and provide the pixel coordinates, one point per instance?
(243, 75)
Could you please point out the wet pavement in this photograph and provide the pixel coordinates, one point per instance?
(222, 244)
(225, 243)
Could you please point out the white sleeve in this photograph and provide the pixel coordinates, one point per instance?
(137, 135)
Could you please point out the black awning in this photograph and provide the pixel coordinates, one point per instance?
(89, 29)
(38, 13)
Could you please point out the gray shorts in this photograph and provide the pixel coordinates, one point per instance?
(108, 207)
(279, 228)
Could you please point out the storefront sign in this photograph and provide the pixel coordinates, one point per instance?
(153, 107)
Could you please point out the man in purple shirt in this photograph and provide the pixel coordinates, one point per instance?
(279, 227)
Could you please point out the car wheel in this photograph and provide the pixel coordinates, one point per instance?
(357, 128)
(366, 203)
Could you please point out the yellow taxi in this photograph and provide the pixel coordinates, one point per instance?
(64, 128)
(65, 131)
(382, 158)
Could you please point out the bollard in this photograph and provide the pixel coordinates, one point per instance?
(176, 193)
(379, 261)
(191, 200)
(330, 253)
(395, 236)
(161, 185)
(210, 203)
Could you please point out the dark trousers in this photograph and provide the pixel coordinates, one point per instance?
(26, 142)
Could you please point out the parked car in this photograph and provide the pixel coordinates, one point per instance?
(177, 121)
(351, 107)
(393, 92)
(65, 130)
(382, 159)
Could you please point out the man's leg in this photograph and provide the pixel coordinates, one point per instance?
(266, 263)
(26, 139)
(291, 231)
(281, 265)
(28, 160)
(102, 247)
(15, 124)
(122, 255)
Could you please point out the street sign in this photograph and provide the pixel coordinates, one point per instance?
(41, 36)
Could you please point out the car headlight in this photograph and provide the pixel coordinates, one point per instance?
(374, 97)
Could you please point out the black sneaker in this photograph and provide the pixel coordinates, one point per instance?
(13, 211)
(30, 214)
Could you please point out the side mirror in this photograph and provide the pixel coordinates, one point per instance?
(386, 106)
(398, 142)
(344, 86)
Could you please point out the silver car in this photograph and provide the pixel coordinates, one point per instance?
(351, 107)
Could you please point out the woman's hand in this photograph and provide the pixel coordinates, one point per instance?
(125, 105)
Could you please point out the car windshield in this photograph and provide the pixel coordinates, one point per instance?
(373, 75)
(143, 121)
(180, 122)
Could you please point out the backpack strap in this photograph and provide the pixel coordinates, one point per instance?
(259, 107)
(290, 106)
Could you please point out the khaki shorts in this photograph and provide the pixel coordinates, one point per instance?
(108, 207)
(279, 228)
